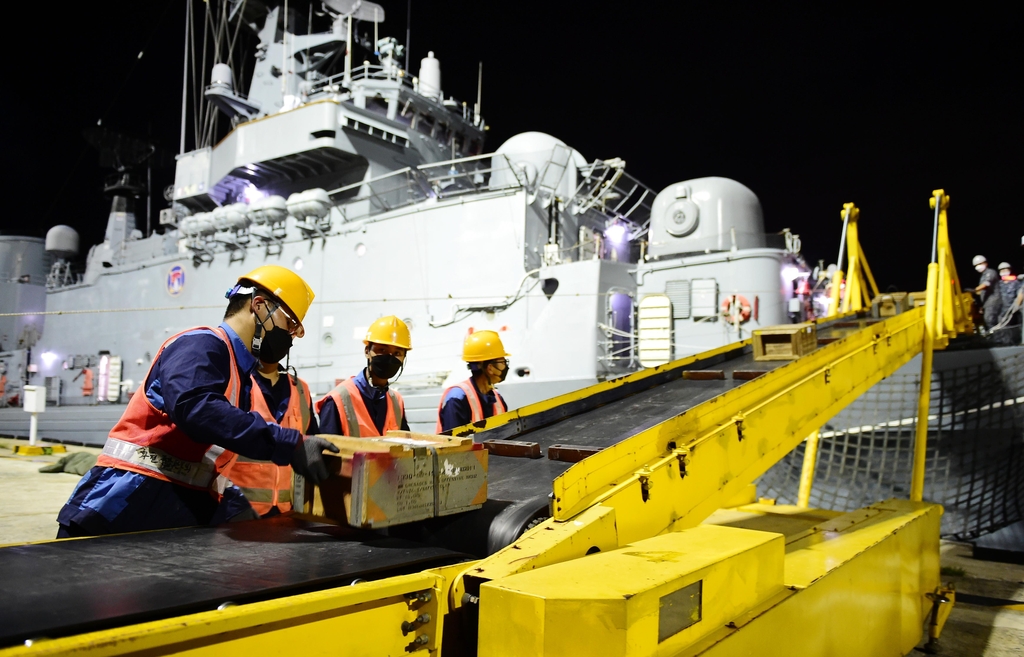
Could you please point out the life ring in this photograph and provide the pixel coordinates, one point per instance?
(735, 307)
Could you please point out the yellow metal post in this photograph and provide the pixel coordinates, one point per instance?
(837, 277)
(834, 296)
(924, 396)
(860, 283)
(852, 293)
(807, 472)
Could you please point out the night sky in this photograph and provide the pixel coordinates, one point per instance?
(808, 105)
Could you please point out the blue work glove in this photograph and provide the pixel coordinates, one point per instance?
(308, 458)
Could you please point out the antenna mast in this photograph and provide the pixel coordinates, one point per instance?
(479, 93)
(284, 55)
(348, 52)
(408, 31)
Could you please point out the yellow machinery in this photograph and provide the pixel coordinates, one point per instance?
(655, 544)
(858, 288)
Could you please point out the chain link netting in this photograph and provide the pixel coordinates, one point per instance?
(975, 456)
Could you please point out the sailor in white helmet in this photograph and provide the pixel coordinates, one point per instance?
(1009, 290)
(988, 291)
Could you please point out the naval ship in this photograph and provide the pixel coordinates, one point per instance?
(380, 189)
(375, 185)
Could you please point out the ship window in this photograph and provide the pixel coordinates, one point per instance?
(407, 115)
(424, 123)
(474, 147)
(377, 105)
(441, 134)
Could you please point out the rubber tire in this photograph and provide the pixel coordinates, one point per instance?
(512, 522)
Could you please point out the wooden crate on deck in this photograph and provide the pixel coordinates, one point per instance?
(786, 342)
(400, 478)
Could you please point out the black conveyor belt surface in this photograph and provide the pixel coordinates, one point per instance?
(65, 587)
(516, 479)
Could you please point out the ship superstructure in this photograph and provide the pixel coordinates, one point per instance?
(375, 186)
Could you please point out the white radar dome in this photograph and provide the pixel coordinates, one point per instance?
(530, 154)
(62, 241)
(705, 214)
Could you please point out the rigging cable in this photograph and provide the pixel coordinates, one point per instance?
(184, 76)
(203, 107)
(236, 79)
(195, 89)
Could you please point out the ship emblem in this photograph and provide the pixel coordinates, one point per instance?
(175, 280)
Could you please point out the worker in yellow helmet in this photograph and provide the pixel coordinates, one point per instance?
(365, 406)
(167, 461)
(475, 398)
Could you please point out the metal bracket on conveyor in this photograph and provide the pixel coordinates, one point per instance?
(682, 455)
(738, 421)
(417, 601)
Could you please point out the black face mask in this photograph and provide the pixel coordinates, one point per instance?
(504, 373)
(384, 366)
(273, 346)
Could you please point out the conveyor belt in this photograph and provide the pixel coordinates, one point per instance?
(517, 479)
(66, 587)
(60, 588)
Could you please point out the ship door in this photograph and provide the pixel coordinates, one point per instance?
(619, 329)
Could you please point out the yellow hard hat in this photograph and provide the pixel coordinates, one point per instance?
(481, 346)
(285, 285)
(389, 330)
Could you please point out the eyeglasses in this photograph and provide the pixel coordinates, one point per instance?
(292, 325)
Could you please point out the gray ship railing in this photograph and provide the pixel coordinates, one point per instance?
(604, 188)
(439, 181)
(335, 84)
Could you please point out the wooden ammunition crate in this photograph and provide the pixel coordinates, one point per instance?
(786, 342)
(400, 478)
(890, 304)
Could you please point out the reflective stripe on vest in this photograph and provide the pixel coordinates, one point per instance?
(355, 418)
(263, 483)
(146, 441)
(159, 462)
(476, 408)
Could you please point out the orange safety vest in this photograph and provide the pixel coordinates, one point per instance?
(266, 484)
(87, 382)
(476, 407)
(146, 441)
(355, 418)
